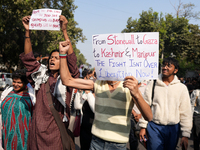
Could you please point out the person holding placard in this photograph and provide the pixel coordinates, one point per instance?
(113, 104)
(171, 108)
(44, 131)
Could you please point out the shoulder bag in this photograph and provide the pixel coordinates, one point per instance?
(66, 135)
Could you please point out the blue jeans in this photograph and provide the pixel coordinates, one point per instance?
(162, 137)
(99, 144)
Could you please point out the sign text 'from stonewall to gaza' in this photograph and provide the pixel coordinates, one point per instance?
(126, 54)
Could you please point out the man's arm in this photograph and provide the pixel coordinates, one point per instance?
(63, 26)
(65, 75)
(27, 41)
(71, 58)
(132, 84)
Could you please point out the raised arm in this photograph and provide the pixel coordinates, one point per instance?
(27, 41)
(132, 84)
(65, 75)
(63, 26)
(27, 57)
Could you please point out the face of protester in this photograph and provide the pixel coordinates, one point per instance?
(18, 85)
(54, 62)
(168, 70)
(89, 76)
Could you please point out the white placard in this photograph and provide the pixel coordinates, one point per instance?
(126, 54)
(45, 19)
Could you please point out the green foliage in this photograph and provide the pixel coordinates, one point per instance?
(185, 65)
(176, 35)
(12, 30)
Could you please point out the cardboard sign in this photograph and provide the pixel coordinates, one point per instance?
(126, 54)
(45, 19)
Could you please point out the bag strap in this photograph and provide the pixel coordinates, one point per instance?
(63, 132)
(152, 95)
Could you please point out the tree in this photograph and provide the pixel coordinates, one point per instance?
(186, 10)
(193, 54)
(12, 31)
(149, 21)
(176, 35)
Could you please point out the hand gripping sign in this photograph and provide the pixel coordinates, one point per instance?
(45, 19)
(126, 54)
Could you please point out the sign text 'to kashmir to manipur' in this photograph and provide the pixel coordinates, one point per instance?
(126, 54)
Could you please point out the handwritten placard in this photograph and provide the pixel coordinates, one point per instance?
(45, 19)
(126, 54)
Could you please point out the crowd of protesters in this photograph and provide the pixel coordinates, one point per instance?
(193, 85)
(36, 116)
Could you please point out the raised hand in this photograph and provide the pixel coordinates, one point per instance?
(25, 21)
(63, 22)
(64, 47)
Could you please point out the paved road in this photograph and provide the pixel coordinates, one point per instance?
(77, 142)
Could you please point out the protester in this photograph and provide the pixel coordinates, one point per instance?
(16, 109)
(90, 74)
(85, 101)
(39, 58)
(170, 106)
(81, 96)
(195, 102)
(81, 70)
(93, 76)
(182, 80)
(113, 105)
(195, 83)
(44, 131)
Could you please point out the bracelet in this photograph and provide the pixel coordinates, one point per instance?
(27, 37)
(63, 56)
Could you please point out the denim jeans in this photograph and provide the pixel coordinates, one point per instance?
(99, 144)
(162, 137)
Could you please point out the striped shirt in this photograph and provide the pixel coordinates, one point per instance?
(112, 112)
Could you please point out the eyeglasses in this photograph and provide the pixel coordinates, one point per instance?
(167, 65)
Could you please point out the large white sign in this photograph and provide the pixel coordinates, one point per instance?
(126, 54)
(45, 19)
